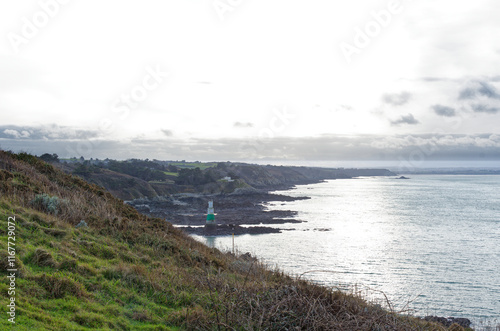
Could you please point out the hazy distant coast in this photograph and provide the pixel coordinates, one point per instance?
(451, 171)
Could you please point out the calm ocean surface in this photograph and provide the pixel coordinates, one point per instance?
(431, 243)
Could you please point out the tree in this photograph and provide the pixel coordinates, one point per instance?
(49, 157)
(191, 177)
(82, 170)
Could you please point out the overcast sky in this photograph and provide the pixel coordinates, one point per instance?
(251, 79)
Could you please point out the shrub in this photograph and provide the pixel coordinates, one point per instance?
(46, 203)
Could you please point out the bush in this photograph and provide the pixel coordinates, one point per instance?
(49, 157)
(46, 203)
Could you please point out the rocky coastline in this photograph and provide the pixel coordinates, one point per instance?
(241, 212)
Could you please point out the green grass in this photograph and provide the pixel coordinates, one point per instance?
(126, 271)
(86, 280)
(171, 173)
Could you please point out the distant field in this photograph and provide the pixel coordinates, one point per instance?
(171, 173)
(193, 165)
(167, 181)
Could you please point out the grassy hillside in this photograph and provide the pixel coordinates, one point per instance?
(121, 185)
(129, 272)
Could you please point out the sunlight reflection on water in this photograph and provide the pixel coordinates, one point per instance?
(431, 240)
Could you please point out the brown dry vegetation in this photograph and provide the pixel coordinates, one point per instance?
(127, 271)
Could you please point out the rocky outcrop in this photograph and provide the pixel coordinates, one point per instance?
(229, 229)
(242, 209)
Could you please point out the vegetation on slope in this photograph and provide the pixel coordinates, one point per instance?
(133, 178)
(130, 272)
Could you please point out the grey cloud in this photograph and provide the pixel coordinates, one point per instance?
(168, 133)
(70, 148)
(45, 132)
(327, 147)
(17, 134)
(405, 119)
(444, 110)
(434, 79)
(481, 108)
(479, 89)
(397, 99)
(243, 125)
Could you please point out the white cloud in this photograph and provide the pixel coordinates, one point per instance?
(72, 71)
(13, 133)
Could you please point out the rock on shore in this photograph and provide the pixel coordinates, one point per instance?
(448, 321)
(245, 213)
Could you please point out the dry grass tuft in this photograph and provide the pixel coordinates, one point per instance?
(60, 285)
(42, 258)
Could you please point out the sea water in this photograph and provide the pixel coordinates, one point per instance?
(429, 245)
